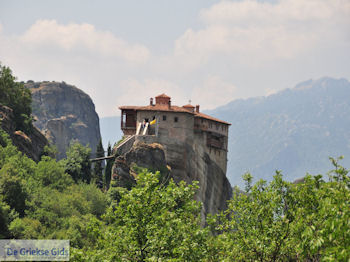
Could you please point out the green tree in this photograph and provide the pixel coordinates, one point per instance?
(98, 165)
(255, 226)
(322, 226)
(50, 174)
(14, 95)
(77, 163)
(108, 168)
(151, 222)
(6, 216)
(281, 221)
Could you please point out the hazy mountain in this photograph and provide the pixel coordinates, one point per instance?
(295, 130)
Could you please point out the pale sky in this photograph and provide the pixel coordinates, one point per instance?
(210, 52)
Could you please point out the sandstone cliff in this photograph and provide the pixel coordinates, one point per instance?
(185, 163)
(64, 113)
(31, 144)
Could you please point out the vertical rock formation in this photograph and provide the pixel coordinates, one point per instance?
(64, 113)
(190, 161)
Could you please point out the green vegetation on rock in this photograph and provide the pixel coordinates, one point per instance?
(14, 95)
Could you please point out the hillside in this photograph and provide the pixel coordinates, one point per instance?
(295, 130)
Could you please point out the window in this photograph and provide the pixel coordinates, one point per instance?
(176, 119)
(164, 118)
(210, 125)
(202, 120)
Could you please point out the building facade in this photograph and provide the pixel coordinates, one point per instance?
(162, 122)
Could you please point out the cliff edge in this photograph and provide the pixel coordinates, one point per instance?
(64, 113)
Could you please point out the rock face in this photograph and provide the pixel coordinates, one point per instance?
(64, 113)
(185, 162)
(30, 144)
(151, 156)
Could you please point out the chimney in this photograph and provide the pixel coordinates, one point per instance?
(197, 108)
(151, 101)
(169, 104)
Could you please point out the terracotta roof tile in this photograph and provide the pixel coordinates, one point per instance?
(165, 108)
(163, 95)
(201, 115)
(188, 106)
(157, 107)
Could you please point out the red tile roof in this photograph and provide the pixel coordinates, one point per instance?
(188, 106)
(165, 108)
(157, 107)
(201, 115)
(163, 95)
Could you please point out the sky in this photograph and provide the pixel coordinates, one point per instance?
(210, 52)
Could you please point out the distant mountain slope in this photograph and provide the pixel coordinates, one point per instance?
(295, 130)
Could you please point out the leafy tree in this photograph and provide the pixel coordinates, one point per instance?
(50, 150)
(50, 174)
(14, 95)
(151, 222)
(98, 165)
(12, 189)
(322, 226)
(281, 221)
(6, 216)
(77, 163)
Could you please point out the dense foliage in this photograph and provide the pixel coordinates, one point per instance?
(41, 200)
(77, 163)
(14, 95)
(281, 221)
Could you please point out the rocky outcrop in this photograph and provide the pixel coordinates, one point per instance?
(64, 113)
(184, 161)
(31, 144)
(151, 156)
(190, 161)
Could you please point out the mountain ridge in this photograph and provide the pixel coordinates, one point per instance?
(276, 131)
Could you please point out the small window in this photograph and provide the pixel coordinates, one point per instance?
(210, 125)
(176, 119)
(164, 118)
(202, 121)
